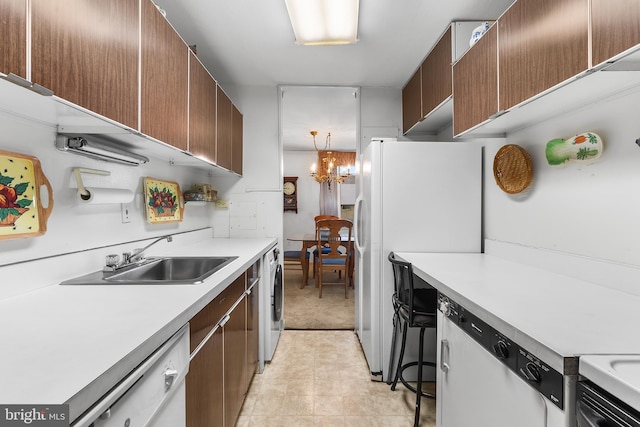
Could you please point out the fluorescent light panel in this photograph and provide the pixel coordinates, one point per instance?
(319, 22)
(98, 150)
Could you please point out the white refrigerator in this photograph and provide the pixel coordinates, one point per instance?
(413, 197)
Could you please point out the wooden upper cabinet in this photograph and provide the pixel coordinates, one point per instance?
(202, 111)
(223, 130)
(165, 79)
(13, 37)
(412, 101)
(87, 53)
(475, 84)
(541, 44)
(236, 140)
(615, 27)
(436, 74)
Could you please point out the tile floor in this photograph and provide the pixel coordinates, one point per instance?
(321, 378)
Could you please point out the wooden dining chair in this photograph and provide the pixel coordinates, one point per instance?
(292, 258)
(337, 258)
(315, 252)
(321, 217)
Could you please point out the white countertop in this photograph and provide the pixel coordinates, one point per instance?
(552, 315)
(68, 344)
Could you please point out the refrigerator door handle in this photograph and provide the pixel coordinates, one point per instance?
(357, 224)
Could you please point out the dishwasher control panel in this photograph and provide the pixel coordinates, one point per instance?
(536, 373)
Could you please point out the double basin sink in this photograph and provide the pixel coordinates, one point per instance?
(158, 271)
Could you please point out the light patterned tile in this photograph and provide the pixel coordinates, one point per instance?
(268, 405)
(298, 405)
(328, 405)
(329, 421)
(301, 386)
(321, 378)
(297, 421)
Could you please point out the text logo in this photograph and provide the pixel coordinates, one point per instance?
(34, 415)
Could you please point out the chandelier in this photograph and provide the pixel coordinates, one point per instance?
(327, 171)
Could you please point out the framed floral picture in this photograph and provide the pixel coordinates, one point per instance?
(162, 200)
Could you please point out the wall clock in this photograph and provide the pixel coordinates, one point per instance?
(290, 193)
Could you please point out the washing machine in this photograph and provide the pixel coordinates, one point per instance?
(272, 309)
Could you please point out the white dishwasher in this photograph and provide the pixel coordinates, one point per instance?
(152, 395)
(486, 379)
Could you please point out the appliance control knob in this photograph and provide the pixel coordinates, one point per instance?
(501, 350)
(445, 307)
(531, 372)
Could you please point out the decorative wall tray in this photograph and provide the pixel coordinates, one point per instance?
(163, 201)
(22, 213)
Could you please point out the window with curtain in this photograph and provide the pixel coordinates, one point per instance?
(330, 197)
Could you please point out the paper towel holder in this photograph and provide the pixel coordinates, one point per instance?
(84, 193)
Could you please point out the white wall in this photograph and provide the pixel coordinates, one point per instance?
(74, 227)
(380, 115)
(585, 209)
(297, 163)
(255, 200)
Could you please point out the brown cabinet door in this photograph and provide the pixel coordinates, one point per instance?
(252, 335)
(165, 79)
(13, 37)
(202, 111)
(224, 130)
(235, 353)
(615, 27)
(204, 382)
(475, 84)
(541, 44)
(412, 102)
(87, 52)
(436, 74)
(236, 140)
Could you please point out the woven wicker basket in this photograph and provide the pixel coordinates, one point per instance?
(512, 168)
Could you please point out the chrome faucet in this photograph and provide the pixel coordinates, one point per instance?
(114, 263)
(137, 253)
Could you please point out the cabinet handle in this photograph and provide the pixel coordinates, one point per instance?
(444, 356)
(169, 377)
(224, 320)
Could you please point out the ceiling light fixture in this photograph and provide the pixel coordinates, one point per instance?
(324, 22)
(91, 146)
(328, 172)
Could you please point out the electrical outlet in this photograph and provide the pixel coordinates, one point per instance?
(126, 212)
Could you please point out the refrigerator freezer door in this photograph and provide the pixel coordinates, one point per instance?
(417, 197)
(367, 247)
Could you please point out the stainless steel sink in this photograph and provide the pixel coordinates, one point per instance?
(158, 271)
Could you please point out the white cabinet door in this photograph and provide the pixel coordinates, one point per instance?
(477, 389)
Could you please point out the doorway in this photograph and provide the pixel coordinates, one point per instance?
(325, 109)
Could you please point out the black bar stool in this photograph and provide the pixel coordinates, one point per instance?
(413, 308)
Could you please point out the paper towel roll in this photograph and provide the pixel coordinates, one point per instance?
(99, 196)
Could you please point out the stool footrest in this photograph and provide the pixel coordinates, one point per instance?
(409, 386)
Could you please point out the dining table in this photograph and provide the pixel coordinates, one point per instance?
(310, 241)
